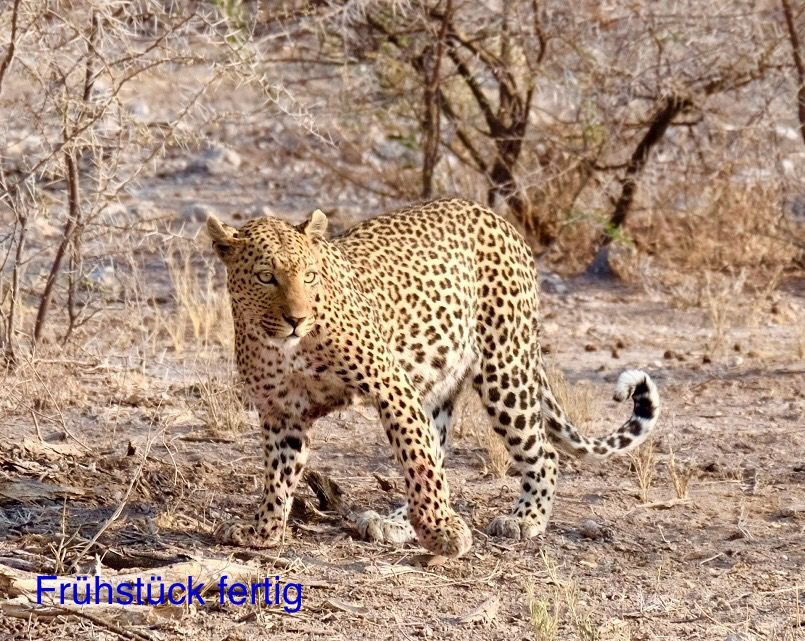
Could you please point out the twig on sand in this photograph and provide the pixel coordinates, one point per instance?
(29, 610)
(126, 633)
(120, 506)
(659, 505)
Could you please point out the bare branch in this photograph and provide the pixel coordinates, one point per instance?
(799, 65)
(5, 63)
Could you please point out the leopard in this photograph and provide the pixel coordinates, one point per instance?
(403, 311)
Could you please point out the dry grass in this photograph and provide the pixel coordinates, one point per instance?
(680, 475)
(474, 424)
(580, 615)
(728, 299)
(739, 228)
(201, 316)
(644, 465)
(726, 229)
(578, 401)
(727, 258)
(565, 604)
(220, 406)
(801, 343)
(544, 617)
(43, 389)
(717, 301)
(496, 459)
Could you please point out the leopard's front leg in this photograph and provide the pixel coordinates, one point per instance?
(285, 452)
(438, 527)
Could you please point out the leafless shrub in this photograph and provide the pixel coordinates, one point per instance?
(595, 125)
(77, 143)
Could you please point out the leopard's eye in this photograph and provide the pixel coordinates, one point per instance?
(310, 278)
(266, 278)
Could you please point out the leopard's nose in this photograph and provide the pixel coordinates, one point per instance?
(294, 321)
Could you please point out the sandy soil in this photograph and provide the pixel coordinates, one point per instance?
(728, 560)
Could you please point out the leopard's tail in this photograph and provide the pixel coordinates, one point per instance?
(632, 383)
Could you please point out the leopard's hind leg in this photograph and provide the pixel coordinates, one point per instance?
(511, 396)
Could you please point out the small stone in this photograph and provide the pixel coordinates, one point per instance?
(396, 150)
(736, 347)
(793, 510)
(116, 213)
(669, 354)
(27, 143)
(351, 153)
(592, 499)
(589, 347)
(711, 467)
(706, 359)
(615, 353)
(590, 529)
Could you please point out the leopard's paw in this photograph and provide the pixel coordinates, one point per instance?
(513, 527)
(452, 537)
(384, 529)
(242, 533)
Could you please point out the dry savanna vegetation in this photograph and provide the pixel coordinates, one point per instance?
(652, 153)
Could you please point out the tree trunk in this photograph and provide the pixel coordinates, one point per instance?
(670, 107)
(431, 122)
(799, 65)
(73, 219)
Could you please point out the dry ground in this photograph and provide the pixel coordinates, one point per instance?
(617, 562)
(122, 451)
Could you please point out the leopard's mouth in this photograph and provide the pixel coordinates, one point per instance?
(279, 331)
(300, 331)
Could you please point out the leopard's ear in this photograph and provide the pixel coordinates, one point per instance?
(315, 226)
(224, 237)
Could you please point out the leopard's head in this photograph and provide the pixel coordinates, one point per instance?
(273, 271)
